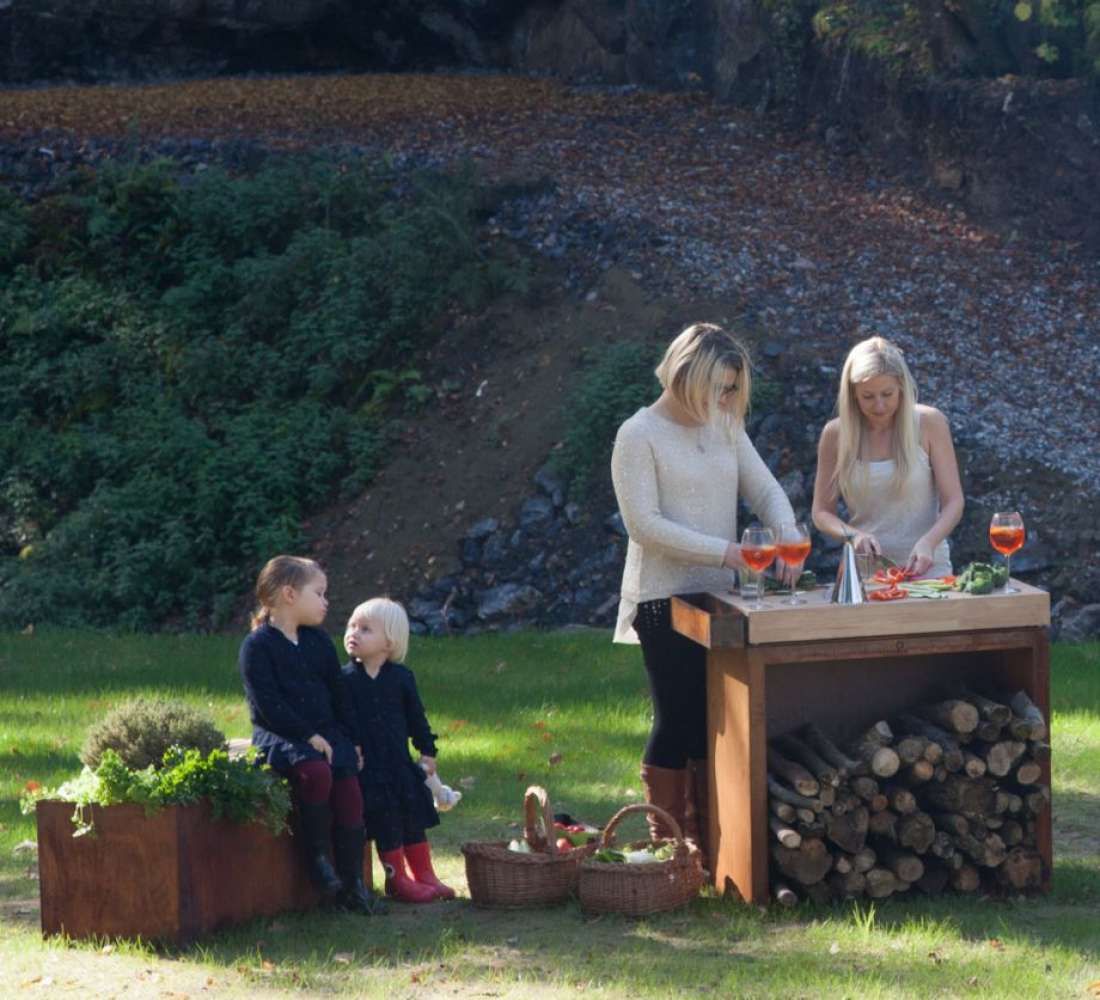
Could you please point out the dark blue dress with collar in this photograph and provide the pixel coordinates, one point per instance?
(389, 713)
(294, 691)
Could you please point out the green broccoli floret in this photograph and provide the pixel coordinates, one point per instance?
(977, 578)
(980, 583)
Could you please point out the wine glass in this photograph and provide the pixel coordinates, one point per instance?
(792, 546)
(1006, 535)
(758, 552)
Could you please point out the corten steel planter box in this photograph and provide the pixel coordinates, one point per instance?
(169, 876)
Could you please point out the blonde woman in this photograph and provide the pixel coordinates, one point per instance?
(893, 462)
(678, 467)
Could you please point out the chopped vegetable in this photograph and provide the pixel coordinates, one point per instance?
(981, 578)
(807, 581)
(891, 593)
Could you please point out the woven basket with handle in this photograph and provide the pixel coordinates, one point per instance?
(500, 877)
(639, 889)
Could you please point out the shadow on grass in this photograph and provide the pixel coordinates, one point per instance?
(713, 943)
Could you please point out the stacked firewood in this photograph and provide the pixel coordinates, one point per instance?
(948, 795)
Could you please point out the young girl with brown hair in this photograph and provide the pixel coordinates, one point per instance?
(303, 723)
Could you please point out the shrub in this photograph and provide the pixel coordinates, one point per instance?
(140, 731)
(619, 382)
(189, 366)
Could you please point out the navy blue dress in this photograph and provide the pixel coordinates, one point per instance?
(388, 714)
(294, 691)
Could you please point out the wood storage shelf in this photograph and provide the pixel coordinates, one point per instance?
(772, 670)
(169, 876)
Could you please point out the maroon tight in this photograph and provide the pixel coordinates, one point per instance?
(314, 785)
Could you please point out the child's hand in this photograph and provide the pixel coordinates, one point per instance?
(428, 763)
(321, 745)
(359, 757)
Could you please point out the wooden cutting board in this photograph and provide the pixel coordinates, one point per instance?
(777, 622)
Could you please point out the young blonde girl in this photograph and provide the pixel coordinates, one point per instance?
(303, 723)
(893, 463)
(397, 805)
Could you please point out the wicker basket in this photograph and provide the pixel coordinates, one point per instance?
(500, 877)
(637, 890)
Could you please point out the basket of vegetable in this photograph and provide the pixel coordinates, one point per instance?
(643, 877)
(534, 871)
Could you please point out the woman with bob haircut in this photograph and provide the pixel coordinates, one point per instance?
(892, 461)
(678, 467)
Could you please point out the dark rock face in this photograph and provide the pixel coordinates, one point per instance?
(665, 42)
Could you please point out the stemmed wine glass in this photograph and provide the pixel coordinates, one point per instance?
(758, 552)
(1006, 535)
(793, 548)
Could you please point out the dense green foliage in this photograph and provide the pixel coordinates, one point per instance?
(236, 789)
(1055, 38)
(618, 382)
(189, 364)
(141, 730)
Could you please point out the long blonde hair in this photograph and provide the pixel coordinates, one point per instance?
(282, 571)
(692, 370)
(867, 360)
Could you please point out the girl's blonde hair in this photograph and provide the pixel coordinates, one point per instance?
(391, 618)
(867, 360)
(282, 571)
(694, 369)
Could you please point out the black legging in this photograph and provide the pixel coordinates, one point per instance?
(677, 671)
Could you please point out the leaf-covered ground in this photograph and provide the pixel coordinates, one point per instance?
(696, 198)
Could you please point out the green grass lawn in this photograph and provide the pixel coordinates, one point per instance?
(503, 706)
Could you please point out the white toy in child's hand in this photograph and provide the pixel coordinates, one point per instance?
(445, 797)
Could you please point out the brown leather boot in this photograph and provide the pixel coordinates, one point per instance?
(665, 787)
(698, 807)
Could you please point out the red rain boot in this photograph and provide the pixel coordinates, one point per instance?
(420, 863)
(398, 884)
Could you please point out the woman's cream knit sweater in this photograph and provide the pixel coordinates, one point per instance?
(677, 489)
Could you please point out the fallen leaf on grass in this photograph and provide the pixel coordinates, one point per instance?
(996, 944)
(458, 724)
(343, 957)
(554, 758)
(834, 948)
(107, 949)
(25, 846)
(467, 782)
(936, 957)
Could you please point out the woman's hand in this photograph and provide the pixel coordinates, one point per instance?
(321, 745)
(733, 558)
(866, 543)
(428, 763)
(788, 574)
(359, 758)
(920, 558)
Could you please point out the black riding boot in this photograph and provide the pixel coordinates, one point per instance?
(347, 843)
(316, 823)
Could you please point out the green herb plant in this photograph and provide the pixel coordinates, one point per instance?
(236, 789)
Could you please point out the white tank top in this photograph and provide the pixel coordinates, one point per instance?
(899, 520)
